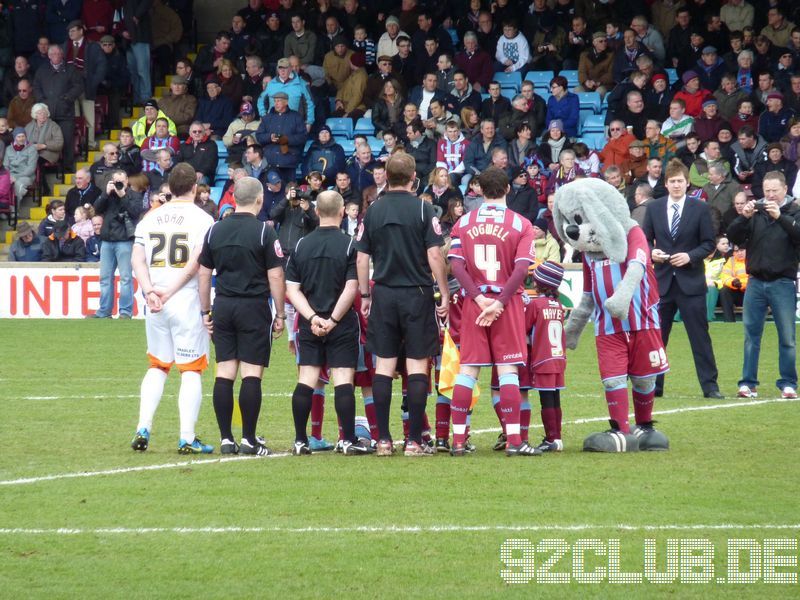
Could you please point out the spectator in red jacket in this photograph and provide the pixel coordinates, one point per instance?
(692, 94)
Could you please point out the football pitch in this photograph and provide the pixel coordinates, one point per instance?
(84, 516)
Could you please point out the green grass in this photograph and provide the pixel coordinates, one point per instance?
(69, 404)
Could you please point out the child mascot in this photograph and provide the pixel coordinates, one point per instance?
(620, 293)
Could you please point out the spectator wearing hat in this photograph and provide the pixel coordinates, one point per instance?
(387, 44)
(241, 132)
(63, 245)
(274, 191)
(59, 85)
(350, 97)
(625, 56)
(324, 155)
(98, 18)
(791, 142)
(28, 245)
(199, 151)
(293, 87)
(786, 67)
(554, 141)
(774, 122)
(521, 197)
(376, 81)
(635, 164)
(745, 116)
(658, 97)
(282, 134)
(708, 124)
(776, 161)
(178, 105)
(216, 111)
(547, 247)
(692, 94)
(594, 66)
(20, 160)
(337, 63)
(710, 68)
(57, 15)
(563, 105)
(145, 126)
(116, 81)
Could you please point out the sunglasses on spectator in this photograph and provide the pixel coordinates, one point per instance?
(114, 153)
(615, 129)
(196, 131)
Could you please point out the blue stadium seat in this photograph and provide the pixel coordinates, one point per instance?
(509, 80)
(342, 126)
(364, 126)
(595, 140)
(222, 150)
(594, 124)
(585, 114)
(349, 146)
(509, 93)
(484, 96)
(375, 144)
(216, 194)
(672, 75)
(222, 170)
(463, 188)
(571, 76)
(307, 146)
(589, 100)
(540, 79)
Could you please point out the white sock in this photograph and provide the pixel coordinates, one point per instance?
(189, 399)
(150, 396)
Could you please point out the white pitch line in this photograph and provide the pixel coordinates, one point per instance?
(177, 465)
(397, 529)
(671, 411)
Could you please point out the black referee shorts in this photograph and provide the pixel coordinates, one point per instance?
(242, 330)
(402, 316)
(338, 349)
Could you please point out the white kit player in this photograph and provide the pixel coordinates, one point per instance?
(168, 241)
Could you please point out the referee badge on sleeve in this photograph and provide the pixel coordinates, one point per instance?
(437, 227)
(278, 251)
(360, 232)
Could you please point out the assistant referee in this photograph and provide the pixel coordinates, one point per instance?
(402, 235)
(248, 261)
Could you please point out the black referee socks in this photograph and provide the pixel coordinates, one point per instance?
(223, 406)
(345, 402)
(250, 405)
(301, 408)
(417, 397)
(382, 395)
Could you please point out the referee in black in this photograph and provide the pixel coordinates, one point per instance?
(321, 284)
(402, 235)
(248, 261)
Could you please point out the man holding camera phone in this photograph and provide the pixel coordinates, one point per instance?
(120, 209)
(770, 229)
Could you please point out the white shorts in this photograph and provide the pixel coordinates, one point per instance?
(177, 334)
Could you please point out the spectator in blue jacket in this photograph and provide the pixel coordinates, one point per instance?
(325, 155)
(216, 110)
(563, 105)
(774, 122)
(282, 134)
(295, 89)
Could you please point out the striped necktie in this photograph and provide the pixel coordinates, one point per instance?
(676, 220)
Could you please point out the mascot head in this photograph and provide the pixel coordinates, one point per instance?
(593, 217)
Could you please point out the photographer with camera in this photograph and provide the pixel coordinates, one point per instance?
(770, 230)
(120, 208)
(294, 217)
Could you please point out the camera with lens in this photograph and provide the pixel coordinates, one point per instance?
(761, 205)
(303, 194)
(119, 185)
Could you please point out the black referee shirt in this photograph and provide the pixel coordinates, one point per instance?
(322, 263)
(242, 249)
(397, 231)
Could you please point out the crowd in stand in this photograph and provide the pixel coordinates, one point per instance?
(424, 74)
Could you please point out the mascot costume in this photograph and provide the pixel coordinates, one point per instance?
(621, 295)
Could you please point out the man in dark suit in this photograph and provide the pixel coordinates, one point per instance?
(681, 234)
